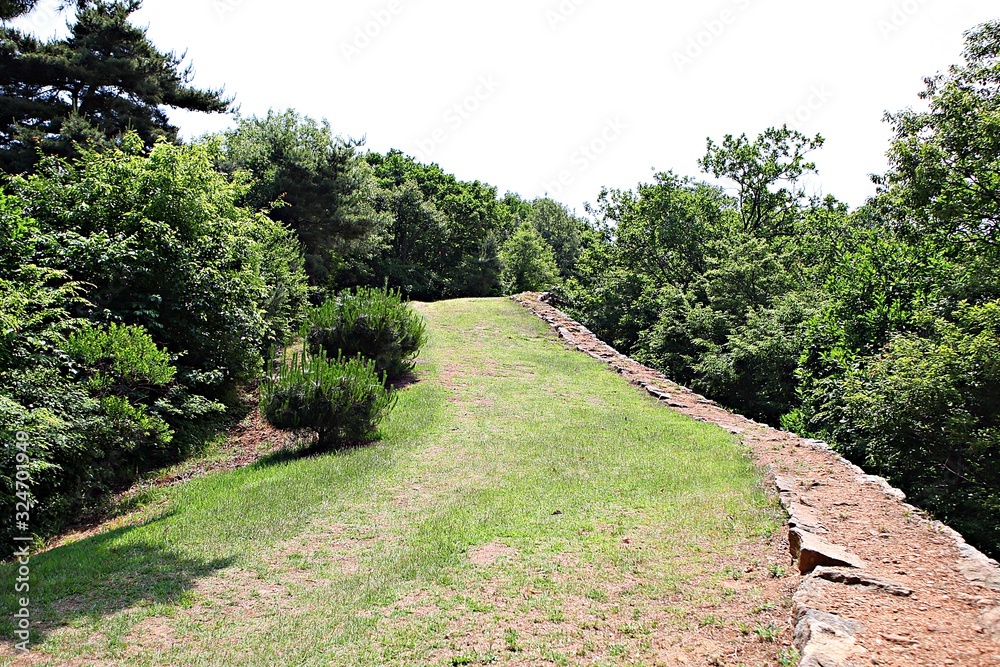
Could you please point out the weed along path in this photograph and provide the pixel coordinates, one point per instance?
(524, 506)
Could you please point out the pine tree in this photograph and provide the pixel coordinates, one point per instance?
(102, 80)
(325, 188)
(13, 8)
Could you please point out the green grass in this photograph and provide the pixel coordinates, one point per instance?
(523, 504)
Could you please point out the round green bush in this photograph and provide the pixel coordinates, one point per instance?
(342, 400)
(373, 323)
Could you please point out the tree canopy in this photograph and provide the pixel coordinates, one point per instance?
(875, 330)
(104, 79)
(311, 181)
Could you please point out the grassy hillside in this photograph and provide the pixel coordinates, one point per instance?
(523, 506)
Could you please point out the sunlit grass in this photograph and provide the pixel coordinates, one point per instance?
(520, 493)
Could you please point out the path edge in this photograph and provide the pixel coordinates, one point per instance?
(821, 638)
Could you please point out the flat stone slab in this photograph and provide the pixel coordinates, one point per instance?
(826, 640)
(658, 393)
(812, 552)
(847, 577)
(801, 516)
(785, 484)
(980, 570)
(991, 623)
(887, 488)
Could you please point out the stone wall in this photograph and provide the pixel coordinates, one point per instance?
(881, 583)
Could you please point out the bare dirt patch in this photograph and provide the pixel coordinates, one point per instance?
(245, 444)
(491, 553)
(582, 614)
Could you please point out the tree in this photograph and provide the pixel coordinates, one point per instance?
(413, 241)
(10, 9)
(528, 262)
(310, 180)
(766, 172)
(90, 395)
(926, 413)
(561, 230)
(944, 180)
(465, 221)
(664, 227)
(160, 242)
(106, 78)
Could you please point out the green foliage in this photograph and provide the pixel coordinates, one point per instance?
(445, 234)
(875, 329)
(789, 657)
(926, 413)
(311, 181)
(614, 300)
(372, 323)
(529, 265)
(561, 230)
(13, 8)
(161, 243)
(683, 280)
(136, 288)
(756, 366)
(663, 228)
(120, 355)
(91, 413)
(33, 314)
(945, 158)
(342, 400)
(766, 172)
(416, 237)
(104, 79)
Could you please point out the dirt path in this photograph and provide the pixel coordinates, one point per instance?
(920, 597)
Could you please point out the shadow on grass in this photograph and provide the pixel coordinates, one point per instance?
(309, 449)
(411, 378)
(101, 575)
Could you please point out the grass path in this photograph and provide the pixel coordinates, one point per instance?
(524, 506)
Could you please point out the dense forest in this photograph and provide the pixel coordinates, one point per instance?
(146, 283)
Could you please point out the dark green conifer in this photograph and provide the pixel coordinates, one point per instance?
(102, 80)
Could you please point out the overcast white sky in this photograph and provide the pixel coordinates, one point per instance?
(565, 96)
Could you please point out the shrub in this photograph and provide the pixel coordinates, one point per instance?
(92, 421)
(373, 323)
(528, 262)
(342, 400)
(99, 404)
(160, 242)
(924, 413)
